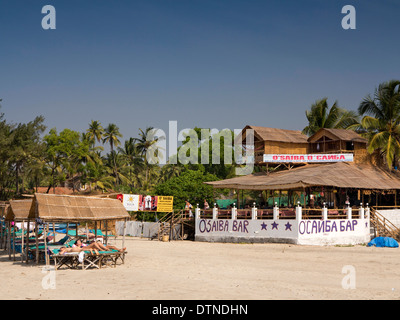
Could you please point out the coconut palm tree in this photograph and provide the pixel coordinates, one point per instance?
(381, 121)
(95, 131)
(111, 135)
(321, 116)
(144, 144)
(133, 160)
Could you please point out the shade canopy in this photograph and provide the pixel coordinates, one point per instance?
(340, 175)
(18, 210)
(76, 208)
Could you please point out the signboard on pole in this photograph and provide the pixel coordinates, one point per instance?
(281, 158)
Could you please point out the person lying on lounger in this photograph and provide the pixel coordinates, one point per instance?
(97, 246)
(107, 248)
(78, 249)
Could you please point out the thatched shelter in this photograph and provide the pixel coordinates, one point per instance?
(18, 210)
(339, 174)
(51, 207)
(66, 208)
(332, 182)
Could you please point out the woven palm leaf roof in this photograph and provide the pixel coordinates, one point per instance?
(340, 175)
(76, 208)
(18, 210)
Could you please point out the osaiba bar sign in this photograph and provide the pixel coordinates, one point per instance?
(338, 157)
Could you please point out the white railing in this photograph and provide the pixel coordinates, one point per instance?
(276, 213)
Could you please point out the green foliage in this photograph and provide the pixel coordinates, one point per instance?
(188, 186)
(381, 121)
(321, 116)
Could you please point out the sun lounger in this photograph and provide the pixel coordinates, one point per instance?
(73, 259)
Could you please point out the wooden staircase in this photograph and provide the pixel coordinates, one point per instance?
(383, 227)
(168, 226)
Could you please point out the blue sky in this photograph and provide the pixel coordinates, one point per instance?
(209, 63)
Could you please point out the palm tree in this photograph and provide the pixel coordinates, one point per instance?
(110, 135)
(169, 171)
(144, 144)
(381, 121)
(321, 116)
(130, 155)
(95, 131)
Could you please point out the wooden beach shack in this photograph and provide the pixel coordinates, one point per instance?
(53, 208)
(17, 212)
(326, 176)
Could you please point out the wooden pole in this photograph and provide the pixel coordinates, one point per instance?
(123, 238)
(45, 243)
(14, 242)
(1, 233)
(106, 232)
(9, 240)
(22, 240)
(27, 241)
(95, 231)
(54, 232)
(37, 241)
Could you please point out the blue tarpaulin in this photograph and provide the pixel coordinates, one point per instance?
(383, 242)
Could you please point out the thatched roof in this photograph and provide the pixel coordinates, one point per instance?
(18, 210)
(340, 175)
(278, 135)
(338, 134)
(75, 208)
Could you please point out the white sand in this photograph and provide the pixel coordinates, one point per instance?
(197, 270)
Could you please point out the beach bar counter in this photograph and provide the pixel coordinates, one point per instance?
(329, 179)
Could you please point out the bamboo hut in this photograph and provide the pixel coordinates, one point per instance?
(278, 141)
(17, 211)
(339, 141)
(66, 208)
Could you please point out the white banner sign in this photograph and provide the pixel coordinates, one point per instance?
(341, 157)
(131, 202)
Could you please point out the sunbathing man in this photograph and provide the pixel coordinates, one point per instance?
(78, 249)
(106, 248)
(97, 246)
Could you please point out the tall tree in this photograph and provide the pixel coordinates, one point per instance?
(321, 116)
(144, 144)
(63, 150)
(25, 145)
(133, 160)
(111, 135)
(381, 121)
(95, 131)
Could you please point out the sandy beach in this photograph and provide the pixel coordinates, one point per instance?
(201, 271)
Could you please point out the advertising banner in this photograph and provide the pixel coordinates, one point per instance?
(136, 202)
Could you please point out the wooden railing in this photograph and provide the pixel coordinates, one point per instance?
(383, 226)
